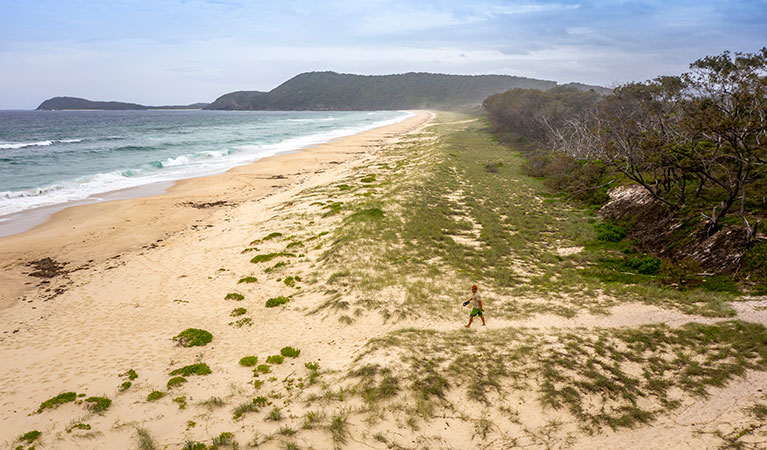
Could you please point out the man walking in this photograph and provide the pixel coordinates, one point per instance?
(476, 306)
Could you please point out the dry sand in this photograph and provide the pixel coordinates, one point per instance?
(139, 271)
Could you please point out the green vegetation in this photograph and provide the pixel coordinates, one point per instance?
(261, 368)
(331, 90)
(239, 323)
(144, 440)
(249, 361)
(192, 369)
(290, 352)
(339, 429)
(193, 337)
(238, 312)
(225, 438)
(130, 374)
(291, 280)
(271, 236)
(155, 395)
(275, 414)
(276, 301)
(30, 436)
(254, 405)
(181, 401)
(275, 267)
(53, 402)
(368, 179)
(98, 404)
(79, 426)
(248, 280)
(275, 359)
(175, 381)
(270, 256)
(234, 296)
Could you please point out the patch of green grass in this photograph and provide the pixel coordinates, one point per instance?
(175, 381)
(194, 445)
(238, 312)
(125, 386)
(275, 414)
(270, 256)
(291, 280)
(368, 214)
(275, 359)
(239, 323)
(276, 301)
(225, 438)
(720, 284)
(344, 187)
(155, 395)
(339, 429)
(98, 404)
(258, 384)
(248, 280)
(286, 430)
(181, 402)
(295, 244)
(213, 402)
(262, 368)
(313, 418)
(192, 369)
(368, 178)
(78, 426)
(249, 361)
(130, 374)
(275, 267)
(290, 352)
(144, 440)
(30, 436)
(193, 337)
(332, 208)
(234, 296)
(271, 236)
(53, 402)
(646, 265)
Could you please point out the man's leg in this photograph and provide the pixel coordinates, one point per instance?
(483, 319)
(471, 318)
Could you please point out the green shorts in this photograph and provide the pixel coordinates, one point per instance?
(476, 312)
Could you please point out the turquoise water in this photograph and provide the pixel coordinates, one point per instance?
(55, 157)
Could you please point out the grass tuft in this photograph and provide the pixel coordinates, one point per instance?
(193, 337)
(290, 352)
(192, 369)
(276, 301)
(53, 402)
(249, 361)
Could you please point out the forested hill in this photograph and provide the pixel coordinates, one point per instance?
(75, 103)
(339, 91)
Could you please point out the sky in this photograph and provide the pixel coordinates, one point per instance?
(184, 51)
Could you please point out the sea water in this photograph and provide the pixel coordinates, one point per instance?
(58, 157)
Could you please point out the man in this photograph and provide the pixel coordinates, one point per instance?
(476, 306)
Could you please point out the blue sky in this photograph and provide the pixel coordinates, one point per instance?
(183, 51)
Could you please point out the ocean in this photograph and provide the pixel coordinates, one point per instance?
(57, 157)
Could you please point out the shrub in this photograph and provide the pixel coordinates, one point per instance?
(125, 386)
(57, 400)
(30, 436)
(98, 404)
(290, 352)
(249, 361)
(646, 265)
(248, 280)
(261, 368)
(609, 232)
(193, 337)
(272, 236)
(275, 359)
(181, 401)
(276, 301)
(155, 395)
(258, 383)
(194, 445)
(238, 312)
(234, 296)
(193, 369)
(176, 381)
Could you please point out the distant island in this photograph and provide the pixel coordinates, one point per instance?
(75, 103)
(318, 91)
(342, 91)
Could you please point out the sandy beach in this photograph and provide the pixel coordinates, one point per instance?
(132, 271)
(92, 301)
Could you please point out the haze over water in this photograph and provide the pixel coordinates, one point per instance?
(49, 158)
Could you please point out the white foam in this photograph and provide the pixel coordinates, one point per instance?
(204, 163)
(15, 145)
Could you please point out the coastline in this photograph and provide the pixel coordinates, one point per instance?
(87, 234)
